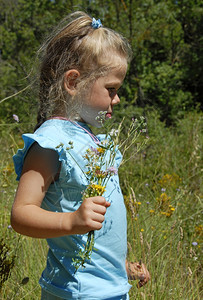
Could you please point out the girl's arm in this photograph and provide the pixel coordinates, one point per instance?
(27, 217)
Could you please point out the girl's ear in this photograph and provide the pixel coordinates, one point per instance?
(70, 81)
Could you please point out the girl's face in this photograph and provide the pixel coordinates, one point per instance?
(103, 95)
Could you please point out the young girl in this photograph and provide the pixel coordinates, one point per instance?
(83, 66)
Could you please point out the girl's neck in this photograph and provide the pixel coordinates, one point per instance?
(65, 118)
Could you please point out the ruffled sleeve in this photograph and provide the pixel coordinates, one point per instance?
(44, 142)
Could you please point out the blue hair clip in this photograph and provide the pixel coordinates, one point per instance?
(96, 23)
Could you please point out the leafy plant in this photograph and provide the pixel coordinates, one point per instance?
(7, 261)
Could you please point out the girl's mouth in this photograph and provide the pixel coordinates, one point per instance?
(108, 115)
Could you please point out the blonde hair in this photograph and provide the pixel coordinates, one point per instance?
(75, 44)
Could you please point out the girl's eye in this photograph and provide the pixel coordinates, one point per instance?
(112, 92)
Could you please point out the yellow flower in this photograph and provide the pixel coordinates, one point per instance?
(139, 203)
(100, 174)
(170, 180)
(164, 197)
(99, 188)
(151, 211)
(172, 208)
(142, 230)
(163, 213)
(100, 150)
(199, 229)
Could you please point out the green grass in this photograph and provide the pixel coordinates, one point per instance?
(163, 197)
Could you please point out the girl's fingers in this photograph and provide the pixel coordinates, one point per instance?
(90, 215)
(107, 204)
(101, 200)
(100, 205)
(135, 271)
(146, 277)
(140, 272)
(146, 272)
(96, 225)
(98, 218)
(99, 209)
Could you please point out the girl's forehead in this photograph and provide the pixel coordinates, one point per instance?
(114, 60)
(117, 72)
(118, 60)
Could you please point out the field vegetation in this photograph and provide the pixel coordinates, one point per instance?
(162, 182)
(161, 186)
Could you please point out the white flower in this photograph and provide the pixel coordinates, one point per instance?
(101, 117)
(113, 132)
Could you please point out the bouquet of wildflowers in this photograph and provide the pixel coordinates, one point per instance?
(98, 173)
(100, 167)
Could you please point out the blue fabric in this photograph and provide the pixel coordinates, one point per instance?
(47, 296)
(105, 276)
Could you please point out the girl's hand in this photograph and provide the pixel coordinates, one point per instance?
(90, 215)
(137, 271)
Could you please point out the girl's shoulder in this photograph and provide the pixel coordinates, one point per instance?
(55, 129)
(50, 136)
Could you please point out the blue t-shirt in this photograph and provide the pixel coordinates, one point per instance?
(105, 275)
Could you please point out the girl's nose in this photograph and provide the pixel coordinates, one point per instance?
(116, 100)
